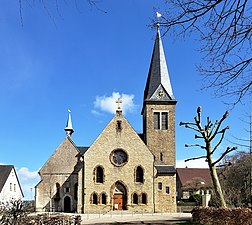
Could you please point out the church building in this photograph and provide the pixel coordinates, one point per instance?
(121, 170)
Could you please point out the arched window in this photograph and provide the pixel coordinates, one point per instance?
(104, 199)
(144, 198)
(99, 175)
(135, 198)
(139, 174)
(94, 198)
(57, 190)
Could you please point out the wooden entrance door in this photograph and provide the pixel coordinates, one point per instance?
(118, 201)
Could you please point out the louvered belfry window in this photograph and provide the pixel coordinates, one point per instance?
(161, 120)
(164, 120)
(156, 120)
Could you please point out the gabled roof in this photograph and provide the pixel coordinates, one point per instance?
(158, 77)
(165, 170)
(4, 174)
(188, 174)
(5, 171)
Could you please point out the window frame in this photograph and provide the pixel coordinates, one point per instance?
(139, 174)
(161, 120)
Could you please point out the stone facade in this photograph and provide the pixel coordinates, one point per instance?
(121, 170)
(100, 153)
(158, 140)
(59, 180)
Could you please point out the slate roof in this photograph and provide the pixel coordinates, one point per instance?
(165, 170)
(187, 174)
(158, 72)
(82, 149)
(4, 174)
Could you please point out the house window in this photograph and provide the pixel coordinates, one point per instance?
(135, 198)
(139, 174)
(10, 186)
(67, 189)
(14, 188)
(160, 120)
(144, 198)
(94, 199)
(104, 199)
(99, 175)
(167, 190)
(160, 186)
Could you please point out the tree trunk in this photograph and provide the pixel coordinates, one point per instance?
(215, 179)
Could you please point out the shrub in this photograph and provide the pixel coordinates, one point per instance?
(195, 198)
(223, 216)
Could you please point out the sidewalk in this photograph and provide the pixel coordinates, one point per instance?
(127, 217)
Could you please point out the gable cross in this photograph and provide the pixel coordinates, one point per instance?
(119, 101)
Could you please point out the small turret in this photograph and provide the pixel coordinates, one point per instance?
(69, 128)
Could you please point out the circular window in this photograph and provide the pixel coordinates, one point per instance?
(119, 157)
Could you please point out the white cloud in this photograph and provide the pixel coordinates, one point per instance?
(199, 163)
(108, 103)
(28, 179)
(24, 174)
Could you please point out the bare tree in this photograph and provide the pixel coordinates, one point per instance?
(55, 5)
(224, 28)
(209, 133)
(235, 179)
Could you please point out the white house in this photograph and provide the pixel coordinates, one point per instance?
(10, 188)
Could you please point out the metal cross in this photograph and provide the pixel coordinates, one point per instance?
(119, 101)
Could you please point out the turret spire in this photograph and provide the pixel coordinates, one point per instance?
(69, 128)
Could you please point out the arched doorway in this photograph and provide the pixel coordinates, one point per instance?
(67, 204)
(119, 199)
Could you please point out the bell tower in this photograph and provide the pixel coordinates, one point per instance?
(159, 108)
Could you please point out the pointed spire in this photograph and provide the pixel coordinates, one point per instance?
(158, 76)
(69, 128)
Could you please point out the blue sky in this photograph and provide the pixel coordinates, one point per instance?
(81, 58)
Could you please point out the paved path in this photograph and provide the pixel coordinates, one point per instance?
(123, 219)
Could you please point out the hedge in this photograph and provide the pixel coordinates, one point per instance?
(41, 220)
(222, 216)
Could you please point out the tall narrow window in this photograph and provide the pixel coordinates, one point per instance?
(10, 186)
(161, 156)
(144, 198)
(76, 191)
(135, 198)
(167, 190)
(94, 199)
(119, 125)
(57, 190)
(156, 120)
(161, 120)
(139, 174)
(164, 120)
(104, 199)
(99, 174)
(14, 188)
(160, 186)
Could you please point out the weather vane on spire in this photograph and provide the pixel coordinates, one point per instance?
(158, 15)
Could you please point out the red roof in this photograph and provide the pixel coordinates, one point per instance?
(188, 174)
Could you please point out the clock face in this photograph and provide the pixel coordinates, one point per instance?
(160, 94)
(119, 157)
